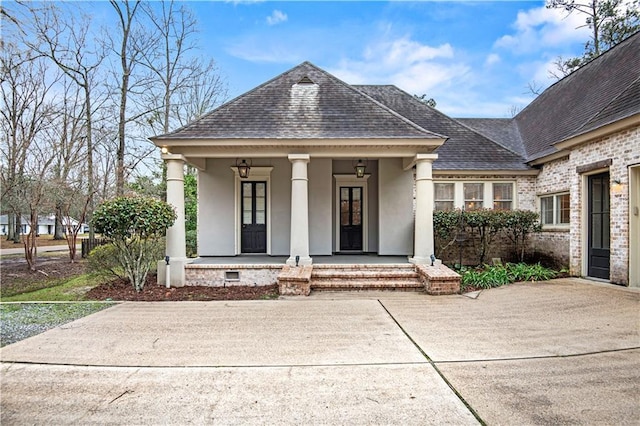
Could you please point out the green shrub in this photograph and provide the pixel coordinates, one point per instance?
(135, 225)
(483, 226)
(191, 237)
(104, 260)
(495, 276)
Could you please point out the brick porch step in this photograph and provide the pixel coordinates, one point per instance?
(402, 277)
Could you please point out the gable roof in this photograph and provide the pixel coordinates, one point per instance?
(302, 103)
(599, 93)
(465, 148)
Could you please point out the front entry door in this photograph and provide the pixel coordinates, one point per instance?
(598, 186)
(254, 217)
(351, 218)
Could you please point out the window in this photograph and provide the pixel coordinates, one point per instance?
(502, 196)
(554, 209)
(473, 195)
(458, 194)
(444, 196)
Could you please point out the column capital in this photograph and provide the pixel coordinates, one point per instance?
(299, 157)
(425, 157)
(169, 157)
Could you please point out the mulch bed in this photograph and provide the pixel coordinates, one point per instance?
(152, 292)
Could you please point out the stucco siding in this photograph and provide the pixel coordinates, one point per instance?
(216, 209)
(320, 212)
(280, 205)
(395, 197)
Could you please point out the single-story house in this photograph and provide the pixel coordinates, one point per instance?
(306, 165)
(46, 224)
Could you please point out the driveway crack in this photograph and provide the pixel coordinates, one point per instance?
(435, 367)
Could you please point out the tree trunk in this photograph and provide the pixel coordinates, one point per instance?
(17, 230)
(58, 233)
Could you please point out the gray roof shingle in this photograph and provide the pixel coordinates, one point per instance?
(605, 89)
(464, 149)
(302, 103)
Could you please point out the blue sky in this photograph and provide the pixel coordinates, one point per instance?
(475, 58)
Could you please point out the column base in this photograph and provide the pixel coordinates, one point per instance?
(301, 262)
(176, 267)
(418, 260)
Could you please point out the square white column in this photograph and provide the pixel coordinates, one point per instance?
(299, 242)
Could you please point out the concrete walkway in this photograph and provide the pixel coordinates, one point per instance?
(565, 351)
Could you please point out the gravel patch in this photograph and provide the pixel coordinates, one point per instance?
(21, 320)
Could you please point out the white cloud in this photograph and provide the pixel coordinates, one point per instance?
(277, 17)
(492, 59)
(414, 67)
(541, 28)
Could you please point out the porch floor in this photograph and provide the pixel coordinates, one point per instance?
(337, 259)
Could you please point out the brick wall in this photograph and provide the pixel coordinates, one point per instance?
(623, 149)
(554, 177)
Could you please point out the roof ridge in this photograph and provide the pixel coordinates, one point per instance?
(437, 111)
(477, 131)
(380, 104)
(229, 102)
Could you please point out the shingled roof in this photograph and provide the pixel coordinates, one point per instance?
(302, 103)
(307, 103)
(465, 149)
(599, 93)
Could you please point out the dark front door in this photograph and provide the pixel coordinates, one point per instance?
(598, 226)
(253, 212)
(351, 218)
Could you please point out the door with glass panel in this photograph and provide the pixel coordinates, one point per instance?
(253, 211)
(351, 218)
(599, 227)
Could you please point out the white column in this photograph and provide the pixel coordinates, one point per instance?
(423, 239)
(299, 243)
(175, 244)
(176, 247)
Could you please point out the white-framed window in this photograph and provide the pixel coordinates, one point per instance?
(444, 196)
(499, 195)
(554, 209)
(473, 195)
(502, 196)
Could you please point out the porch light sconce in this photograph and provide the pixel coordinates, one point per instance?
(617, 186)
(243, 169)
(164, 150)
(360, 168)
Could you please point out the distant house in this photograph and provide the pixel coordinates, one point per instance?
(46, 225)
(335, 168)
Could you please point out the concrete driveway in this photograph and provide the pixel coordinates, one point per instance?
(565, 351)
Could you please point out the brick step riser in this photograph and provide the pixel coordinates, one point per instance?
(365, 279)
(367, 286)
(374, 276)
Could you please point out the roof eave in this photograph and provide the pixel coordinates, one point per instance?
(600, 132)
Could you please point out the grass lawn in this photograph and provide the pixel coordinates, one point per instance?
(72, 289)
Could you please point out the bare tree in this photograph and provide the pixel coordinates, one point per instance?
(610, 22)
(24, 113)
(134, 41)
(67, 42)
(181, 74)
